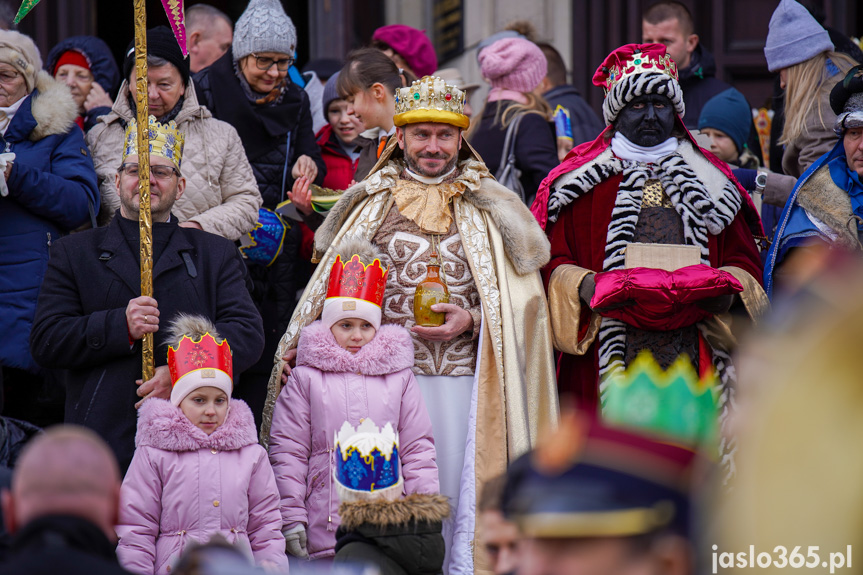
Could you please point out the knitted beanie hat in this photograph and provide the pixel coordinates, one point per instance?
(411, 44)
(264, 27)
(793, 36)
(161, 43)
(20, 52)
(330, 92)
(728, 112)
(513, 64)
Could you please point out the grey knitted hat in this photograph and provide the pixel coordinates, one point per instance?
(793, 36)
(264, 27)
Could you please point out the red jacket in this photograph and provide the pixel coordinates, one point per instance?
(340, 167)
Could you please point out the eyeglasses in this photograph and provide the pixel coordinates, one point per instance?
(265, 63)
(159, 172)
(9, 77)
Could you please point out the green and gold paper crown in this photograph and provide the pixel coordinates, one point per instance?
(430, 99)
(166, 141)
(675, 404)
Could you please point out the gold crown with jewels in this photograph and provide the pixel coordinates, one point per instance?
(166, 141)
(430, 99)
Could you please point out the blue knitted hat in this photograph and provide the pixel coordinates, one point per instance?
(728, 112)
(793, 36)
(330, 92)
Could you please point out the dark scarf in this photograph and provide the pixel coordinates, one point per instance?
(172, 115)
(162, 232)
(261, 127)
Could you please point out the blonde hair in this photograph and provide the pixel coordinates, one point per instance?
(535, 105)
(806, 84)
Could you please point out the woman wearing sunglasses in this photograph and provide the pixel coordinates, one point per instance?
(249, 88)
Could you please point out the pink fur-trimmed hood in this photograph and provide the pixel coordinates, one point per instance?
(391, 350)
(163, 426)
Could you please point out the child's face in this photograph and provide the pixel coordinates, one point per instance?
(722, 146)
(353, 333)
(206, 408)
(364, 107)
(346, 126)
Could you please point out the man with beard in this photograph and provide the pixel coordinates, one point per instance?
(651, 239)
(486, 374)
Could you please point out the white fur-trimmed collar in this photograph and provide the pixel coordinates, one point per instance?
(163, 426)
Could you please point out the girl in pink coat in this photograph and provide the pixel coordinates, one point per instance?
(198, 469)
(349, 368)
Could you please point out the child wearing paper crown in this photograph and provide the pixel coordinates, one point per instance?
(349, 367)
(198, 469)
(398, 535)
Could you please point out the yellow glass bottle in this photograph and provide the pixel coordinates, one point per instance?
(430, 291)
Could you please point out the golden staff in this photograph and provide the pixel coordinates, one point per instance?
(145, 219)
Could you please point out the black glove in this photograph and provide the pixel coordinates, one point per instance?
(716, 305)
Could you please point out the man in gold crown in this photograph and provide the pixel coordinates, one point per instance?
(487, 373)
(651, 239)
(90, 319)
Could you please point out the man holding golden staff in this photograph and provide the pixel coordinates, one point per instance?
(486, 372)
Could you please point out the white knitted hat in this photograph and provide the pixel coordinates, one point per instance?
(264, 27)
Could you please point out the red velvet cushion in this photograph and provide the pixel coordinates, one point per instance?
(658, 300)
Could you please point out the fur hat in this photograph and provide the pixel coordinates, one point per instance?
(513, 64)
(264, 27)
(20, 52)
(793, 36)
(634, 70)
(198, 357)
(846, 101)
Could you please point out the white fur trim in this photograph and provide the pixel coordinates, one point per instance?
(337, 308)
(194, 379)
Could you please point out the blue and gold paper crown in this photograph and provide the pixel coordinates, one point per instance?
(367, 461)
(430, 99)
(166, 141)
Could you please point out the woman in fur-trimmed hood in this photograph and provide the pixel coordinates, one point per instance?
(46, 193)
(198, 470)
(333, 384)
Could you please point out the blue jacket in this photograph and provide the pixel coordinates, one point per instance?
(51, 185)
(795, 226)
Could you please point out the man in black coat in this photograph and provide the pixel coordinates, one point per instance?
(90, 319)
(63, 505)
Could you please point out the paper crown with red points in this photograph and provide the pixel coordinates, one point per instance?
(199, 358)
(634, 70)
(356, 289)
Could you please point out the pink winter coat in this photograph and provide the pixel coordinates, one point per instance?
(329, 386)
(186, 486)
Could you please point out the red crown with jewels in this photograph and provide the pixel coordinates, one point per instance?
(356, 280)
(633, 59)
(191, 355)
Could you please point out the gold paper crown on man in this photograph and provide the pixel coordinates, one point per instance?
(430, 99)
(166, 141)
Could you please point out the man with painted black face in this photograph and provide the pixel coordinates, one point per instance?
(644, 181)
(486, 374)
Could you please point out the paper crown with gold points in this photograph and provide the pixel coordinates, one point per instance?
(367, 462)
(357, 284)
(430, 99)
(635, 70)
(166, 141)
(675, 404)
(198, 357)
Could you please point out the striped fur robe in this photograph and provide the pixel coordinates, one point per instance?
(592, 214)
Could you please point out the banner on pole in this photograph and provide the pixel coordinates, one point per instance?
(28, 5)
(177, 16)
